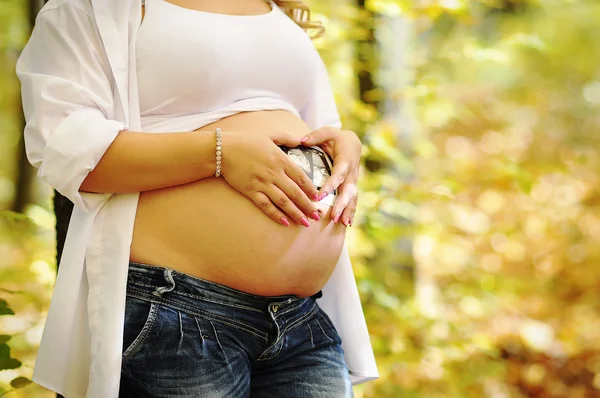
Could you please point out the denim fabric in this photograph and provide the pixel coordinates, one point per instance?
(188, 337)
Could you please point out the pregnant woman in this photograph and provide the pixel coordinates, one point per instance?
(188, 134)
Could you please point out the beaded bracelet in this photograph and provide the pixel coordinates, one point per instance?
(219, 142)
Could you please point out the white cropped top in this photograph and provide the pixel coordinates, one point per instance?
(197, 67)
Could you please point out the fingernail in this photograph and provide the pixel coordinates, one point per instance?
(305, 222)
(322, 196)
(347, 221)
(315, 216)
(337, 217)
(305, 138)
(284, 221)
(315, 196)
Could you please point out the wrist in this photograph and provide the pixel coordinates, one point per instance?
(203, 146)
(230, 140)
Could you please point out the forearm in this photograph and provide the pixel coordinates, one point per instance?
(137, 162)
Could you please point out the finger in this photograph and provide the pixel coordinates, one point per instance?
(297, 175)
(267, 206)
(320, 136)
(346, 194)
(338, 175)
(285, 139)
(347, 215)
(298, 197)
(283, 202)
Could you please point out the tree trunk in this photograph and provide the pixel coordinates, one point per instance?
(365, 51)
(25, 175)
(25, 171)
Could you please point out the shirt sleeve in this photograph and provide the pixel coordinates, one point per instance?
(68, 101)
(321, 109)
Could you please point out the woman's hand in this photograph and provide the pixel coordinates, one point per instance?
(256, 167)
(345, 148)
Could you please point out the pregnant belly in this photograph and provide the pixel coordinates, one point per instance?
(209, 230)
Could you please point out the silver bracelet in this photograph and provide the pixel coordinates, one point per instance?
(219, 142)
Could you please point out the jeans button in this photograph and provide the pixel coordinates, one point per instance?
(274, 308)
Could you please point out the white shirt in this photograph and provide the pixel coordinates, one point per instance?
(79, 88)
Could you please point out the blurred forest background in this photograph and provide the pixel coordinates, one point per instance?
(477, 239)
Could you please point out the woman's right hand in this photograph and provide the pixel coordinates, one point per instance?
(256, 167)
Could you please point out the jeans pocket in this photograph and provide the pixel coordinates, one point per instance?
(327, 328)
(140, 318)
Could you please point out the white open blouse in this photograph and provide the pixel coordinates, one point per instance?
(79, 89)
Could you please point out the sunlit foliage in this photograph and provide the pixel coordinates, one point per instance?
(497, 190)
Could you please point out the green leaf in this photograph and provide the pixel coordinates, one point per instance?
(5, 309)
(4, 338)
(6, 362)
(20, 382)
(10, 363)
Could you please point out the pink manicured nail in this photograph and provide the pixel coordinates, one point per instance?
(315, 196)
(285, 222)
(322, 196)
(337, 217)
(347, 221)
(305, 222)
(304, 139)
(315, 216)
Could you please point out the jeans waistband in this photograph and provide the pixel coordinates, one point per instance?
(164, 280)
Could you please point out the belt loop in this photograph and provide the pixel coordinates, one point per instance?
(168, 273)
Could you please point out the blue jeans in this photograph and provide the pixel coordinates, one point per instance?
(188, 337)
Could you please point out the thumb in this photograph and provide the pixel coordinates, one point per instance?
(319, 136)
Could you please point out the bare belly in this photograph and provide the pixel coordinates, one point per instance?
(209, 230)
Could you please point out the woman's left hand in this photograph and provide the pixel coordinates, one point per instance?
(344, 147)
